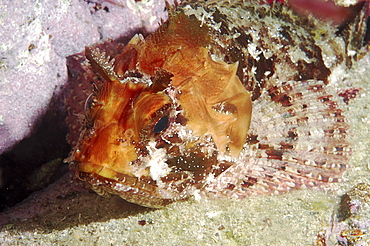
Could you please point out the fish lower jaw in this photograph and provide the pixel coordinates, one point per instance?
(130, 188)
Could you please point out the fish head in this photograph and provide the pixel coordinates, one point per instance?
(165, 119)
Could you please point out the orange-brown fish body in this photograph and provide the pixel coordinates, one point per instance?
(173, 114)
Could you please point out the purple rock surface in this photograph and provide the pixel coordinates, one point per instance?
(35, 39)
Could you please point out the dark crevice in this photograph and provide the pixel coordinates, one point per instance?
(36, 161)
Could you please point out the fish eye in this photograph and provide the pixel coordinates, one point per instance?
(161, 124)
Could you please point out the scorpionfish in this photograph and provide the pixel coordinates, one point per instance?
(226, 99)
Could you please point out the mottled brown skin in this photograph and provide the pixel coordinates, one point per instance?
(172, 113)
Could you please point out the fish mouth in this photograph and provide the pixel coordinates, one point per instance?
(132, 189)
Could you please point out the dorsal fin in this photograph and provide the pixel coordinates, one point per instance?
(101, 64)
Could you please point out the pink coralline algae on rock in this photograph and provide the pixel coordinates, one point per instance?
(225, 99)
(35, 40)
